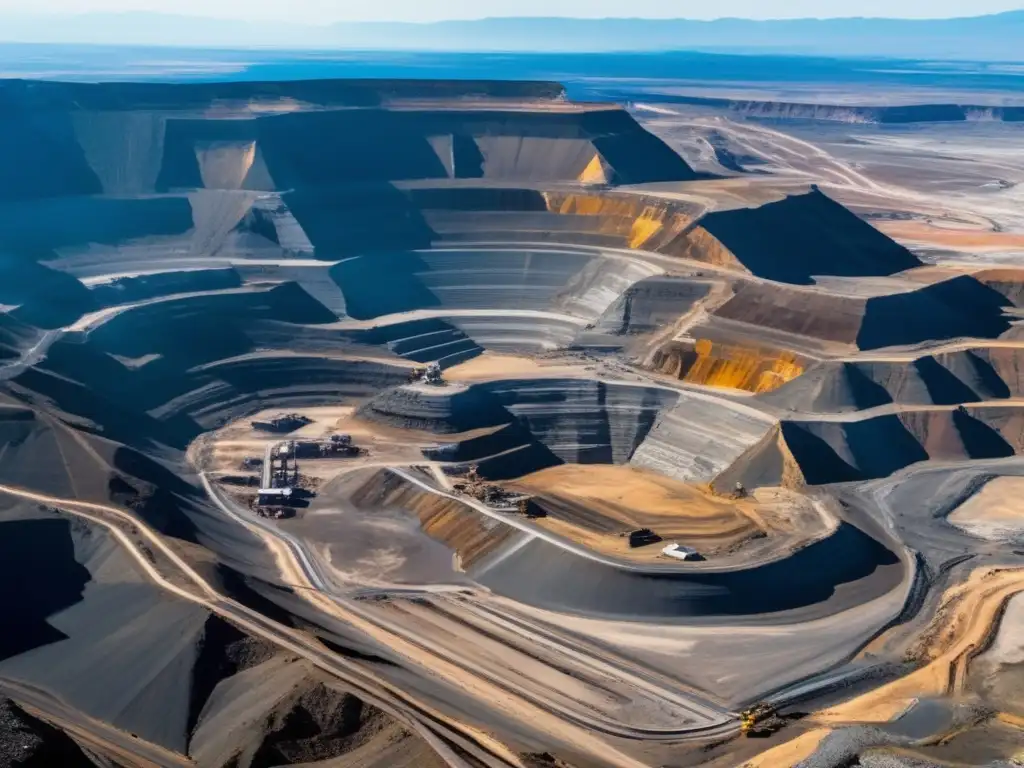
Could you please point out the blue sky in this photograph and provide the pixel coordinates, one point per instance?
(324, 11)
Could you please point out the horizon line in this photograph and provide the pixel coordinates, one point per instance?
(413, 22)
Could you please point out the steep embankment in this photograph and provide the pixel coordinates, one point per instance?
(746, 366)
(581, 421)
(203, 252)
(694, 441)
(450, 409)
(579, 283)
(467, 533)
(969, 376)
(598, 505)
(839, 451)
(118, 138)
(1008, 282)
(27, 741)
(960, 307)
(96, 636)
(808, 583)
(530, 423)
(652, 304)
(801, 236)
(845, 113)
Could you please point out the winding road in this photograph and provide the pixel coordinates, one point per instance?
(706, 717)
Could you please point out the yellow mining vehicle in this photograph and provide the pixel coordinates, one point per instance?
(760, 720)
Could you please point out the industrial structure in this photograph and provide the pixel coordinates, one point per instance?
(287, 422)
(281, 483)
(432, 375)
(339, 446)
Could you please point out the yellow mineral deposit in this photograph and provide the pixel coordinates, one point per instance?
(595, 172)
(733, 367)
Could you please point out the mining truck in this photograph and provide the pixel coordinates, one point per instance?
(433, 375)
(760, 720)
(641, 537)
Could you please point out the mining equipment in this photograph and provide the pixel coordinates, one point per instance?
(274, 496)
(641, 537)
(474, 486)
(485, 492)
(252, 462)
(340, 445)
(496, 496)
(334, 446)
(287, 422)
(280, 473)
(527, 507)
(739, 492)
(432, 375)
(427, 374)
(760, 720)
(274, 513)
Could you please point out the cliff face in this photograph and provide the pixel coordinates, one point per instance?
(844, 113)
(733, 366)
(64, 139)
(36, 96)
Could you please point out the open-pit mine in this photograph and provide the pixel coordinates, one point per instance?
(437, 423)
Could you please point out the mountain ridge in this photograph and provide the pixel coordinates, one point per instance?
(990, 37)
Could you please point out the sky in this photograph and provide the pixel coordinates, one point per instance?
(328, 11)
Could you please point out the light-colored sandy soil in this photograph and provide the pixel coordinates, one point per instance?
(623, 488)
(995, 512)
(920, 232)
(494, 365)
(996, 674)
(969, 614)
(790, 754)
(627, 497)
(966, 621)
(469, 535)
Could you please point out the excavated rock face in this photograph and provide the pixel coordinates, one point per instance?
(838, 451)
(320, 723)
(27, 742)
(446, 409)
(751, 369)
(584, 422)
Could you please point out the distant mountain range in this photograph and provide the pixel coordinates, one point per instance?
(983, 38)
